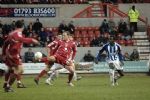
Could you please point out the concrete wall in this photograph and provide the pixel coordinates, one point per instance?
(81, 51)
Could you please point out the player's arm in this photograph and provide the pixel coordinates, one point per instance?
(48, 50)
(74, 51)
(98, 57)
(20, 38)
(4, 47)
(121, 58)
(50, 45)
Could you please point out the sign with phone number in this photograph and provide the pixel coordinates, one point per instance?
(28, 12)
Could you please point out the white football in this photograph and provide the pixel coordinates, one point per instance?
(38, 55)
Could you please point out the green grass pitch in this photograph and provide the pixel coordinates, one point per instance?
(90, 87)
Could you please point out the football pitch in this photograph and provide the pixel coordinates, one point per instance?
(90, 87)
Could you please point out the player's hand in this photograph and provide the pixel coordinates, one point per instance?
(96, 61)
(36, 42)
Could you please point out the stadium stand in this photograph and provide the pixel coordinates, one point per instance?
(43, 1)
(84, 34)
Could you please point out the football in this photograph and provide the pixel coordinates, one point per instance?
(38, 55)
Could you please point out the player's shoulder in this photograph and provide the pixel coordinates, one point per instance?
(117, 44)
(16, 34)
(106, 45)
(72, 42)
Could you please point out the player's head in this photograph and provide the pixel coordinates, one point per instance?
(111, 40)
(59, 37)
(65, 35)
(70, 37)
(19, 24)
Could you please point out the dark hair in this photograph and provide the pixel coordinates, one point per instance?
(18, 24)
(133, 7)
(112, 37)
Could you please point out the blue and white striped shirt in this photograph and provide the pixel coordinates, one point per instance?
(113, 52)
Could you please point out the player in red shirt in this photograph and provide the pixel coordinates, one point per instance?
(11, 54)
(51, 49)
(57, 66)
(62, 56)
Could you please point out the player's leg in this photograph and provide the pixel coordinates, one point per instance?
(75, 74)
(41, 74)
(19, 77)
(119, 70)
(7, 74)
(112, 73)
(16, 70)
(119, 75)
(46, 70)
(54, 69)
(71, 73)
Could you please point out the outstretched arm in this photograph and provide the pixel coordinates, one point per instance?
(98, 57)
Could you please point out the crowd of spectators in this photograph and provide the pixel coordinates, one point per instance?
(43, 1)
(121, 31)
(134, 56)
(68, 1)
(46, 35)
(37, 31)
(66, 27)
(133, 1)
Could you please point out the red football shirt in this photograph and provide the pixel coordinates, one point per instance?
(14, 43)
(53, 46)
(66, 48)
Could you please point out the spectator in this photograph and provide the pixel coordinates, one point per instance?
(1, 40)
(110, 1)
(112, 27)
(43, 1)
(71, 1)
(88, 57)
(122, 26)
(29, 56)
(50, 35)
(127, 56)
(43, 36)
(134, 55)
(35, 1)
(71, 27)
(6, 28)
(62, 27)
(37, 26)
(1, 31)
(104, 28)
(127, 34)
(30, 27)
(24, 26)
(1, 25)
(94, 42)
(13, 25)
(123, 30)
(133, 15)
